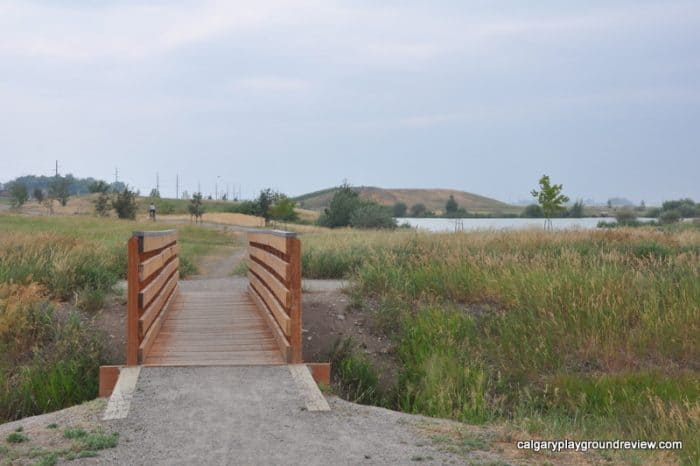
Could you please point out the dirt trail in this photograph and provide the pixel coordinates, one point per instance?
(220, 264)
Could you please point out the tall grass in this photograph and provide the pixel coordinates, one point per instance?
(594, 331)
(49, 359)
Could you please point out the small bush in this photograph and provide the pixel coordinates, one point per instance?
(100, 441)
(668, 217)
(74, 433)
(370, 215)
(16, 437)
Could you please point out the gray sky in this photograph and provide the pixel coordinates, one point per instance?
(300, 94)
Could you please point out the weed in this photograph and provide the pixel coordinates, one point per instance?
(53, 425)
(100, 441)
(16, 437)
(74, 433)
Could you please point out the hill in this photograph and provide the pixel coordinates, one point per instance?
(433, 199)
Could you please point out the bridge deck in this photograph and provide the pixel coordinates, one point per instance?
(213, 325)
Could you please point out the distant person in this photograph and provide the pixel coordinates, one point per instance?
(152, 211)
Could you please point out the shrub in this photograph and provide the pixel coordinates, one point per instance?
(371, 215)
(418, 210)
(345, 201)
(18, 194)
(125, 204)
(532, 211)
(668, 217)
(625, 217)
(400, 209)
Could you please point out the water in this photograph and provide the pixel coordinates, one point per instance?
(471, 224)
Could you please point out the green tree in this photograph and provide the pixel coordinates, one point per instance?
(124, 204)
(60, 189)
(38, 195)
(264, 201)
(400, 209)
(550, 198)
(283, 209)
(532, 211)
(418, 210)
(667, 217)
(98, 186)
(576, 210)
(372, 215)
(196, 207)
(18, 194)
(102, 204)
(451, 206)
(345, 201)
(155, 194)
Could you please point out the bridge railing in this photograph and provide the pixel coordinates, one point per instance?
(274, 273)
(153, 272)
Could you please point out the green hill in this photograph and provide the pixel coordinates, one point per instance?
(433, 199)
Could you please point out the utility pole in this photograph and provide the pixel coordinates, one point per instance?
(116, 174)
(56, 168)
(199, 187)
(177, 186)
(157, 184)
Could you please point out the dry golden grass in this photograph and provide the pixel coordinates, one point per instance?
(221, 218)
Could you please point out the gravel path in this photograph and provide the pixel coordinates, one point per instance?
(256, 415)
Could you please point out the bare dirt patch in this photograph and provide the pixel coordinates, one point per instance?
(328, 318)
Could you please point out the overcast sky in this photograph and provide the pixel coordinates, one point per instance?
(604, 96)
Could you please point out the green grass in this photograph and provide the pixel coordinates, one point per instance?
(585, 333)
(16, 437)
(74, 433)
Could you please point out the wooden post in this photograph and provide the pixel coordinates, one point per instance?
(132, 316)
(294, 252)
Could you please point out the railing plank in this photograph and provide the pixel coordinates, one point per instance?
(148, 293)
(276, 242)
(150, 243)
(152, 333)
(281, 340)
(149, 267)
(154, 309)
(277, 264)
(272, 305)
(278, 288)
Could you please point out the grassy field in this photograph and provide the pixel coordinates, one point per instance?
(583, 334)
(54, 272)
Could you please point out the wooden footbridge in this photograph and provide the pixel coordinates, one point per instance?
(195, 323)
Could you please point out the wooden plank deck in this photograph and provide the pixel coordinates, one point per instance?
(214, 327)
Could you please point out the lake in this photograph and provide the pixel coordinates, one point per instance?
(471, 224)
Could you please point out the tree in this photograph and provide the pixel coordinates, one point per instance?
(451, 206)
(102, 204)
(125, 204)
(668, 217)
(283, 209)
(38, 195)
(345, 201)
(264, 202)
(196, 207)
(372, 215)
(99, 186)
(400, 209)
(418, 210)
(550, 198)
(18, 194)
(532, 211)
(60, 189)
(155, 194)
(576, 210)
